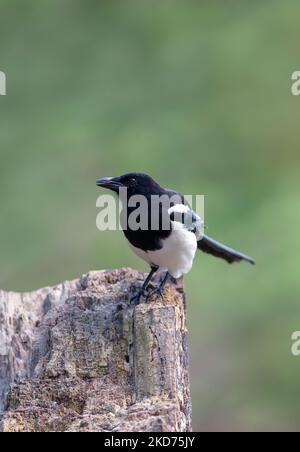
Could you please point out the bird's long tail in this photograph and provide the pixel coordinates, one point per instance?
(217, 249)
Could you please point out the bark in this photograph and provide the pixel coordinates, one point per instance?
(78, 357)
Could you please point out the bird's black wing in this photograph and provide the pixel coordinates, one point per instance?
(217, 249)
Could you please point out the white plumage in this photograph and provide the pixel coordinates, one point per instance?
(178, 250)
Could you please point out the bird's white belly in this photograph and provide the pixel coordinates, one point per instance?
(176, 255)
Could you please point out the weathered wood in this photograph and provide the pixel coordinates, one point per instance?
(78, 357)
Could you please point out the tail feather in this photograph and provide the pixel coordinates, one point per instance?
(217, 249)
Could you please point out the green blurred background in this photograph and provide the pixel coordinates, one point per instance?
(198, 95)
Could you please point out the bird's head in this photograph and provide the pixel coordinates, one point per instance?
(136, 184)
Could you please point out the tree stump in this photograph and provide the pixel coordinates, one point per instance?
(78, 357)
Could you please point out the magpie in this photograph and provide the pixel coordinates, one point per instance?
(170, 247)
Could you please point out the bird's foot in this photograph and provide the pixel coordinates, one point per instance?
(158, 291)
(135, 300)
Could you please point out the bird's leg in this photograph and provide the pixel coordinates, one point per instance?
(136, 298)
(160, 289)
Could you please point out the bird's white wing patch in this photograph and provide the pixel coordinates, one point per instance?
(182, 215)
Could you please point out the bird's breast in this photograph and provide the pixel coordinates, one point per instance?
(175, 255)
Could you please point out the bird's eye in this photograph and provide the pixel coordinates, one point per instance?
(132, 182)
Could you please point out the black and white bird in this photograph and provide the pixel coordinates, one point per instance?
(168, 249)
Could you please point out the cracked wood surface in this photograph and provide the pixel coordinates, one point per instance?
(78, 357)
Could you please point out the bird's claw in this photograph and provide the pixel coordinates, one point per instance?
(159, 291)
(135, 300)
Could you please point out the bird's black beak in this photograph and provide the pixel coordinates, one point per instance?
(111, 183)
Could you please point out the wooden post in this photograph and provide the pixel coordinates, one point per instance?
(78, 357)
